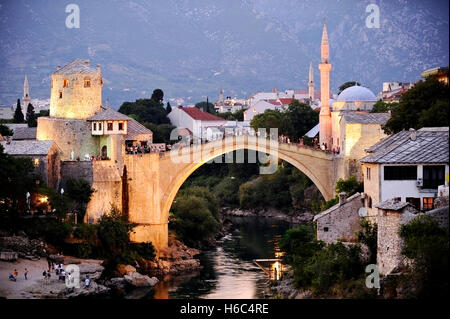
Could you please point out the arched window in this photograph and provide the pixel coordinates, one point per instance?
(87, 82)
(60, 94)
(66, 83)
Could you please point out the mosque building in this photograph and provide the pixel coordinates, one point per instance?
(347, 127)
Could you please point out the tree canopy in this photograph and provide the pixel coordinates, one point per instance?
(18, 114)
(31, 116)
(347, 85)
(157, 95)
(295, 122)
(145, 110)
(424, 105)
(206, 107)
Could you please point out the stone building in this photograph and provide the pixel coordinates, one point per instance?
(45, 156)
(392, 214)
(409, 165)
(340, 222)
(91, 137)
(76, 90)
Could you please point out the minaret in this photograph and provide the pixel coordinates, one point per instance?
(325, 67)
(311, 83)
(221, 100)
(26, 93)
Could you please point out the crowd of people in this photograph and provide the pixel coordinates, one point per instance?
(145, 149)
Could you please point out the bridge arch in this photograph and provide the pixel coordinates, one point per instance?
(287, 152)
(154, 180)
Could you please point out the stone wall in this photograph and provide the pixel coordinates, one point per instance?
(68, 135)
(107, 184)
(76, 169)
(341, 222)
(389, 256)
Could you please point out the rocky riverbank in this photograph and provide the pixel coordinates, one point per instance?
(300, 217)
(285, 289)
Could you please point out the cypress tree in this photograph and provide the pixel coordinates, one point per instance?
(31, 116)
(18, 115)
(168, 108)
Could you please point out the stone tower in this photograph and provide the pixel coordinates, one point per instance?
(311, 83)
(76, 91)
(325, 68)
(26, 94)
(221, 96)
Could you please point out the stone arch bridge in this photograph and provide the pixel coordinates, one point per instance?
(153, 180)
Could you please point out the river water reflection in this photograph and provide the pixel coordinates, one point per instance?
(228, 269)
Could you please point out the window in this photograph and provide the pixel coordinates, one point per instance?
(94, 126)
(110, 126)
(100, 126)
(66, 83)
(368, 173)
(60, 94)
(325, 229)
(120, 126)
(433, 176)
(397, 173)
(413, 201)
(36, 161)
(87, 83)
(427, 203)
(369, 202)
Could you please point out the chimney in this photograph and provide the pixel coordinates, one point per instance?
(99, 70)
(58, 67)
(412, 134)
(342, 198)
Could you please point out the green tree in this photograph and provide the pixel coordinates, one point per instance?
(368, 236)
(114, 236)
(271, 119)
(18, 115)
(301, 117)
(383, 107)
(425, 104)
(347, 85)
(31, 116)
(80, 191)
(206, 107)
(332, 264)
(349, 186)
(5, 131)
(158, 96)
(193, 222)
(168, 108)
(15, 181)
(161, 133)
(427, 244)
(145, 110)
(236, 116)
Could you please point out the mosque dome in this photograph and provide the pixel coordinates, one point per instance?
(356, 93)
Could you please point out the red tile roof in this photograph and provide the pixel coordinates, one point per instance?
(274, 102)
(286, 101)
(197, 114)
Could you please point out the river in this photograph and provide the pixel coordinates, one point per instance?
(228, 269)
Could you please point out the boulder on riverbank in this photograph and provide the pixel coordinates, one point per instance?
(137, 280)
(176, 258)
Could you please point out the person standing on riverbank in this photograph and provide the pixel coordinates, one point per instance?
(25, 273)
(15, 273)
